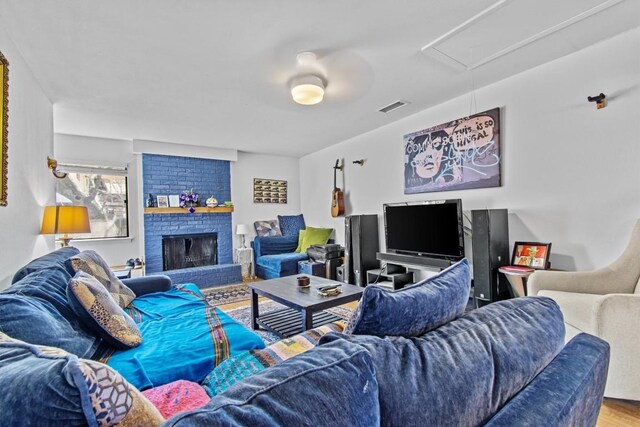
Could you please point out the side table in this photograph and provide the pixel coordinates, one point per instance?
(126, 272)
(517, 277)
(244, 257)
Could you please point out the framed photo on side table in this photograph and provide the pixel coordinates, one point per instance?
(531, 254)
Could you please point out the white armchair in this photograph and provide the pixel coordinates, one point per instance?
(604, 303)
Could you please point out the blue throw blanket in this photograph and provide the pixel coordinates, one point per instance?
(183, 338)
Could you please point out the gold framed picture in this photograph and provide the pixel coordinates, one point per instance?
(4, 127)
(269, 190)
(162, 201)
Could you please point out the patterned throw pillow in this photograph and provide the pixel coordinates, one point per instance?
(92, 263)
(246, 364)
(99, 312)
(291, 224)
(114, 400)
(267, 228)
(46, 385)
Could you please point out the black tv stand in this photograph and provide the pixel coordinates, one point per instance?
(393, 276)
(414, 260)
(396, 275)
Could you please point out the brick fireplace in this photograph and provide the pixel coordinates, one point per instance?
(189, 250)
(169, 175)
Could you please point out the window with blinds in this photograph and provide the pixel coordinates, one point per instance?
(104, 191)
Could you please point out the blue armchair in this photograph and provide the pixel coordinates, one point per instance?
(275, 256)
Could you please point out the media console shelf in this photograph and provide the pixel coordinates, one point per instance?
(414, 260)
(394, 276)
(397, 273)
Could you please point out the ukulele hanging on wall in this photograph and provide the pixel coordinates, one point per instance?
(337, 197)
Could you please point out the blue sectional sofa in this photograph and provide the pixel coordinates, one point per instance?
(501, 365)
(182, 336)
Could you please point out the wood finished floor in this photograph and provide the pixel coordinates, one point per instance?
(619, 413)
(613, 413)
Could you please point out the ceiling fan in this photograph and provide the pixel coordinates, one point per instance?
(330, 76)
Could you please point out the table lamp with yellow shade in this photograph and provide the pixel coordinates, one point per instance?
(65, 220)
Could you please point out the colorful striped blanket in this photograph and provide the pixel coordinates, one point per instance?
(251, 362)
(183, 338)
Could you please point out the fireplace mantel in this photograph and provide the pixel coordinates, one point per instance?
(204, 210)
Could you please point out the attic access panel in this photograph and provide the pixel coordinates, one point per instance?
(506, 26)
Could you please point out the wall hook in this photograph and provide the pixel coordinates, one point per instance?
(53, 165)
(359, 162)
(600, 100)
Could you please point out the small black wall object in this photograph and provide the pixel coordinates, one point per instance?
(598, 99)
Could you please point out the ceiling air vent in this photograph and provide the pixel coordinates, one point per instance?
(393, 106)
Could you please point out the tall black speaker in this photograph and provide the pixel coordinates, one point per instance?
(490, 243)
(361, 245)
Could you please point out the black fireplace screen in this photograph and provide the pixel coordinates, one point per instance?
(189, 250)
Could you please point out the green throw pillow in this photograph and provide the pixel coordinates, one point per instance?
(313, 236)
(300, 239)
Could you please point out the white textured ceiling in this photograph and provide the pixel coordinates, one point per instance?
(215, 73)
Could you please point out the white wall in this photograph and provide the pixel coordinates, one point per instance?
(113, 152)
(184, 150)
(251, 166)
(570, 174)
(85, 150)
(30, 183)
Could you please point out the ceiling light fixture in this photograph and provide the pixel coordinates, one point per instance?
(307, 89)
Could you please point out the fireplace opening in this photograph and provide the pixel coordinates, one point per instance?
(189, 250)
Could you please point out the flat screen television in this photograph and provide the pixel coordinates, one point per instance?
(430, 228)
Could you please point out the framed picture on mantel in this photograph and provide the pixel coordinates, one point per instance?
(162, 201)
(174, 201)
(4, 127)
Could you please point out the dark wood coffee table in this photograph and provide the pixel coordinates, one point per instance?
(305, 305)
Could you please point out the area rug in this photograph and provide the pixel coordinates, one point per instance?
(220, 295)
(243, 316)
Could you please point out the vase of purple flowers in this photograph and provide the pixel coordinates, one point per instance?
(189, 199)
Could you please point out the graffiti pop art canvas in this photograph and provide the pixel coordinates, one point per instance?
(458, 155)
